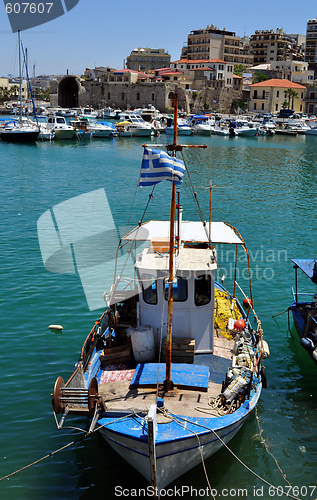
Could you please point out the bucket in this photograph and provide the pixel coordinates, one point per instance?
(143, 345)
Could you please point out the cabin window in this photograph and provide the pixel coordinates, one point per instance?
(179, 290)
(202, 290)
(149, 288)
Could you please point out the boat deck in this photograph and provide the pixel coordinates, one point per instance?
(114, 386)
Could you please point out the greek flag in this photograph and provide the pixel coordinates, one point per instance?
(158, 166)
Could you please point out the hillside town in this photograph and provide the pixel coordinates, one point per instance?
(217, 71)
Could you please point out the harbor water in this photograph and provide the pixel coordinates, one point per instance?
(264, 186)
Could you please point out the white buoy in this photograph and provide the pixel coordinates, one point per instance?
(56, 327)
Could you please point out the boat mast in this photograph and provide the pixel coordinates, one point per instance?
(20, 75)
(168, 384)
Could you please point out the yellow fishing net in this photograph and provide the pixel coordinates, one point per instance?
(223, 312)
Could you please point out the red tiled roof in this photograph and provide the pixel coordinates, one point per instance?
(237, 76)
(144, 75)
(278, 82)
(162, 69)
(197, 61)
(204, 68)
(124, 71)
(172, 73)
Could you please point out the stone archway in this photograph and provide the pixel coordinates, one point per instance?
(68, 90)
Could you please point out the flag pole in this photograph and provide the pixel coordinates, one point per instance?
(168, 383)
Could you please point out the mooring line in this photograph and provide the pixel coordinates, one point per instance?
(43, 458)
(81, 438)
(178, 417)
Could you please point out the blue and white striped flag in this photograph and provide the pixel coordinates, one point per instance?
(158, 166)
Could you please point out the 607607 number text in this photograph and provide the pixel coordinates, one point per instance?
(28, 8)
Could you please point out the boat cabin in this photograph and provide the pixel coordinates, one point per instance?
(194, 280)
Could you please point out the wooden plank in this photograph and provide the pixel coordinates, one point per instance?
(183, 349)
(115, 355)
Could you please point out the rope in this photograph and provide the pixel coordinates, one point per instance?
(167, 413)
(78, 440)
(278, 314)
(267, 448)
(43, 458)
(196, 201)
(232, 453)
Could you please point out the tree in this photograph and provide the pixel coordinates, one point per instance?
(14, 90)
(259, 77)
(290, 95)
(4, 94)
(239, 104)
(239, 69)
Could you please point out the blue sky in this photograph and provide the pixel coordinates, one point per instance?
(103, 32)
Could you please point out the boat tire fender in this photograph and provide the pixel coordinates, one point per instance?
(263, 377)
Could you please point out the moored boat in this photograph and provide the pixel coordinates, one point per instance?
(19, 130)
(202, 124)
(172, 369)
(183, 128)
(139, 127)
(99, 129)
(61, 129)
(124, 129)
(304, 307)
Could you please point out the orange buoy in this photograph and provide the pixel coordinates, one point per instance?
(239, 325)
(247, 303)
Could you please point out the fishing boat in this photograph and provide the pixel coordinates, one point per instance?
(173, 367)
(304, 307)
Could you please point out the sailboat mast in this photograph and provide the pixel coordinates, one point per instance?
(20, 75)
(168, 384)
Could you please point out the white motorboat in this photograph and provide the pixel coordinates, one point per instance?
(124, 129)
(312, 130)
(219, 130)
(140, 128)
(243, 128)
(183, 128)
(99, 129)
(202, 124)
(59, 126)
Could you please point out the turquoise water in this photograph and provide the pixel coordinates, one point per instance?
(266, 187)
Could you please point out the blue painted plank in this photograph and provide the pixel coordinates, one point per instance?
(182, 375)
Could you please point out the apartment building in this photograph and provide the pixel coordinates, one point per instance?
(311, 45)
(296, 71)
(11, 88)
(197, 73)
(213, 43)
(147, 59)
(267, 46)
